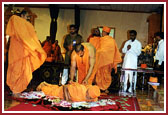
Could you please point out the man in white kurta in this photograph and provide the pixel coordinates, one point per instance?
(131, 49)
(159, 56)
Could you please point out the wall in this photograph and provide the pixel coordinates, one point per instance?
(122, 21)
(42, 22)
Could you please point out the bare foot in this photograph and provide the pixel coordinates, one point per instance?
(106, 91)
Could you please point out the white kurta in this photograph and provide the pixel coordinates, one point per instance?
(160, 52)
(131, 55)
(130, 62)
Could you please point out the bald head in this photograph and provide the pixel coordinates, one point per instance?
(79, 49)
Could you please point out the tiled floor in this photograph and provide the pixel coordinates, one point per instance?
(146, 103)
(151, 99)
(10, 103)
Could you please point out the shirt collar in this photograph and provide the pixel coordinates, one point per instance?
(132, 41)
(161, 41)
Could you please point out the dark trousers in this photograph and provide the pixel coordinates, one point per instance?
(158, 68)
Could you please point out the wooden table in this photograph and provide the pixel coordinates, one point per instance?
(144, 71)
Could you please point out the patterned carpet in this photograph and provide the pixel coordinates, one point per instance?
(121, 104)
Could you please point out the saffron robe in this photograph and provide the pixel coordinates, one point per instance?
(77, 92)
(82, 64)
(80, 92)
(47, 48)
(107, 57)
(95, 41)
(53, 90)
(57, 53)
(25, 53)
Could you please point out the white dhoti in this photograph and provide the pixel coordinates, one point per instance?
(132, 76)
(128, 74)
(64, 77)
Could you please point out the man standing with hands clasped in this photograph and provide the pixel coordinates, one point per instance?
(132, 49)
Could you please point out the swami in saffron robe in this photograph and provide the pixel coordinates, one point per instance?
(77, 92)
(25, 53)
(47, 48)
(83, 65)
(107, 57)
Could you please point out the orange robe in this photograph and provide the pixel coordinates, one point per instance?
(5, 48)
(79, 92)
(107, 57)
(95, 41)
(82, 64)
(25, 53)
(57, 52)
(53, 90)
(47, 48)
(88, 39)
(93, 92)
(76, 91)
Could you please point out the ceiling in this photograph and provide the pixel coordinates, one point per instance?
(144, 8)
(120, 7)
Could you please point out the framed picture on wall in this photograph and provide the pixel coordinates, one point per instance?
(112, 32)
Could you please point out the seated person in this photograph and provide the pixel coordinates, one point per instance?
(73, 92)
(47, 46)
(57, 52)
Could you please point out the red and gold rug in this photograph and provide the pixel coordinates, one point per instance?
(121, 104)
(126, 103)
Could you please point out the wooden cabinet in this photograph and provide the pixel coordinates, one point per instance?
(154, 26)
